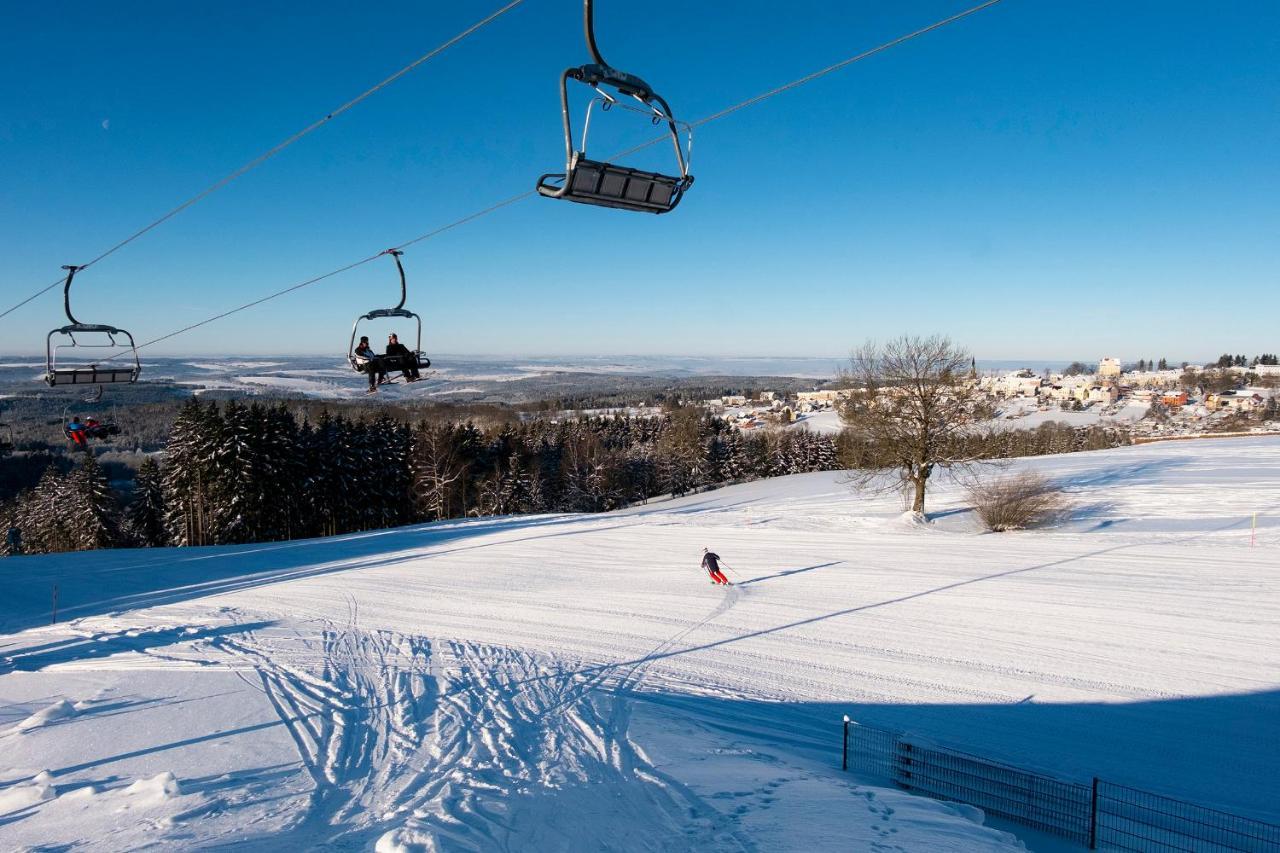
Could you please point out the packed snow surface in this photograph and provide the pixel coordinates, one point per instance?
(573, 682)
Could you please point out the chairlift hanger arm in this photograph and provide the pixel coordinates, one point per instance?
(75, 325)
(601, 71)
(589, 26)
(71, 269)
(396, 253)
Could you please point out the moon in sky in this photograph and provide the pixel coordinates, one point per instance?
(106, 124)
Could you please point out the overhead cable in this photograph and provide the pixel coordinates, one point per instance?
(752, 101)
(267, 155)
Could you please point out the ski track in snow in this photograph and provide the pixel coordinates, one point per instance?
(455, 745)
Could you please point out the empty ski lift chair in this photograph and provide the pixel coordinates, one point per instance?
(390, 363)
(604, 184)
(59, 372)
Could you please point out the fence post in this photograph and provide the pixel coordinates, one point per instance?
(55, 604)
(844, 750)
(1093, 816)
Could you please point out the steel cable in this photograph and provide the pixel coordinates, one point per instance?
(267, 155)
(752, 101)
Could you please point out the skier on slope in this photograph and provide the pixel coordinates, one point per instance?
(711, 562)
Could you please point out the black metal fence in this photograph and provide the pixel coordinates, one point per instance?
(1100, 815)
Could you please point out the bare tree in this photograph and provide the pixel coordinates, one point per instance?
(911, 410)
(436, 467)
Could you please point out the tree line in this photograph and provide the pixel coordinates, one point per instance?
(233, 473)
(1228, 360)
(236, 473)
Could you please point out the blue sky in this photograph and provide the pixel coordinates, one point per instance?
(1043, 180)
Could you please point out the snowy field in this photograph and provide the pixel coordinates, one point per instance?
(1024, 413)
(573, 683)
(827, 422)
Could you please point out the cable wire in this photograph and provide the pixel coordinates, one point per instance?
(752, 101)
(490, 209)
(267, 155)
(808, 78)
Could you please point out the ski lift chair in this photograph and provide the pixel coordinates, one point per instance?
(416, 359)
(597, 182)
(91, 429)
(78, 373)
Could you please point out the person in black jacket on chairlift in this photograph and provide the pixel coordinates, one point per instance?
(404, 356)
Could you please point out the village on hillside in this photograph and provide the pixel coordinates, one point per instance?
(1149, 399)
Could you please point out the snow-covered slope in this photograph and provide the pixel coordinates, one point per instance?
(574, 683)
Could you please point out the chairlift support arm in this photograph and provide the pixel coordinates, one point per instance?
(71, 269)
(589, 26)
(396, 253)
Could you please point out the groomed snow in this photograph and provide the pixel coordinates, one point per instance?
(827, 422)
(574, 683)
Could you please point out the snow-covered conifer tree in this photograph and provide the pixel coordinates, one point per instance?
(144, 517)
(91, 511)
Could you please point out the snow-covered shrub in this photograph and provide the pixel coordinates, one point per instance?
(1017, 501)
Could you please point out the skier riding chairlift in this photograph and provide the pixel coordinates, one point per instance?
(398, 357)
(75, 432)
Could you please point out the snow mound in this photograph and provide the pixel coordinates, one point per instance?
(911, 519)
(60, 710)
(20, 797)
(406, 841)
(162, 786)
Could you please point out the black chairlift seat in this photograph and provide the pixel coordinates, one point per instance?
(608, 185)
(91, 374)
(597, 182)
